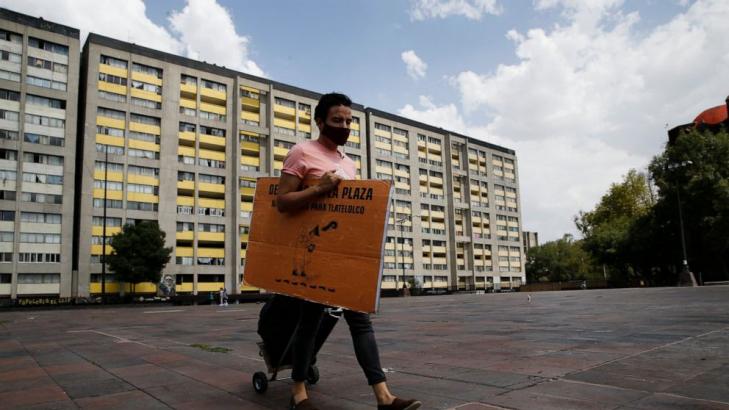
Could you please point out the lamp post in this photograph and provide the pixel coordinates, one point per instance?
(685, 271)
(400, 222)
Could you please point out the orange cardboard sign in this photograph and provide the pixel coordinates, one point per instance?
(329, 252)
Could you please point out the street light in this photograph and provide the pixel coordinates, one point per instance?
(400, 222)
(685, 271)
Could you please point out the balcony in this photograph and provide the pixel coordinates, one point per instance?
(189, 88)
(184, 236)
(205, 187)
(212, 141)
(210, 237)
(187, 136)
(186, 185)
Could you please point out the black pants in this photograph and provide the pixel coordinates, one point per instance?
(363, 339)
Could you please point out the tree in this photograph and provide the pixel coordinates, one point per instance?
(696, 168)
(138, 253)
(606, 229)
(559, 261)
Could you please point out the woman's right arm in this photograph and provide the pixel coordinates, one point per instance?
(289, 198)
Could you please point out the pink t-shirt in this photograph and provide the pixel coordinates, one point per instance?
(311, 159)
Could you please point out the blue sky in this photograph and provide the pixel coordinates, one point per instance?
(583, 90)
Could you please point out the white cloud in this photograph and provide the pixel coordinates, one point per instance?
(591, 99)
(221, 45)
(415, 66)
(127, 21)
(446, 116)
(471, 9)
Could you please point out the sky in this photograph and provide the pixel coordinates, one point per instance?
(582, 90)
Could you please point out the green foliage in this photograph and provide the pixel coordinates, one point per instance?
(696, 167)
(138, 253)
(212, 349)
(561, 260)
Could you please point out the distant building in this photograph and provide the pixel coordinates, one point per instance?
(529, 239)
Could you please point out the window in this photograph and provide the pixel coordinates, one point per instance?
(211, 227)
(44, 121)
(41, 198)
(110, 203)
(43, 178)
(107, 112)
(186, 79)
(42, 82)
(113, 166)
(7, 236)
(40, 237)
(43, 159)
(153, 71)
(211, 116)
(185, 226)
(37, 278)
(141, 153)
(218, 132)
(142, 189)
(42, 139)
(114, 62)
(108, 78)
(9, 115)
(47, 65)
(187, 127)
(7, 175)
(11, 37)
(142, 206)
(154, 105)
(9, 75)
(211, 179)
(111, 149)
(109, 185)
(115, 132)
(7, 215)
(382, 127)
(45, 101)
(140, 85)
(99, 221)
(144, 119)
(112, 97)
(188, 111)
(9, 95)
(213, 85)
(210, 163)
(284, 102)
(146, 171)
(11, 57)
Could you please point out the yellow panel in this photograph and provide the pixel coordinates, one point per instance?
(212, 140)
(244, 237)
(210, 93)
(210, 252)
(111, 176)
(280, 109)
(115, 195)
(185, 201)
(188, 103)
(110, 140)
(250, 146)
(382, 145)
(277, 164)
(112, 88)
(211, 237)
(211, 203)
(381, 133)
(280, 152)
(252, 161)
(303, 115)
(96, 249)
(142, 179)
(246, 206)
(401, 138)
(436, 181)
(247, 191)
(280, 122)
(183, 287)
(243, 253)
(146, 95)
(140, 197)
(186, 185)
(147, 78)
(209, 286)
(305, 127)
(217, 188)
(184, 236)
(354, 126)
(186, 151)
(208, 154)
(401, 150)
(354, 138)
(250, 102)
(183, 251)
(250, 116)
(251, 89)
(188, 88)
(218, 109)
(110, 230)
(145, 145)
(149, 129)
(117, 71)
(186, 136)
(109, 122)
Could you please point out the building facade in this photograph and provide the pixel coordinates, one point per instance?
(39, 71)
(181, 142)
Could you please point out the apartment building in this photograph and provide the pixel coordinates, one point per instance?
(181, 142)
(39, 71)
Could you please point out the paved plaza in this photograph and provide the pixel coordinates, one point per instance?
(664, 348)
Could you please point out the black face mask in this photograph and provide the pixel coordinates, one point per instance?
(338, 135)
